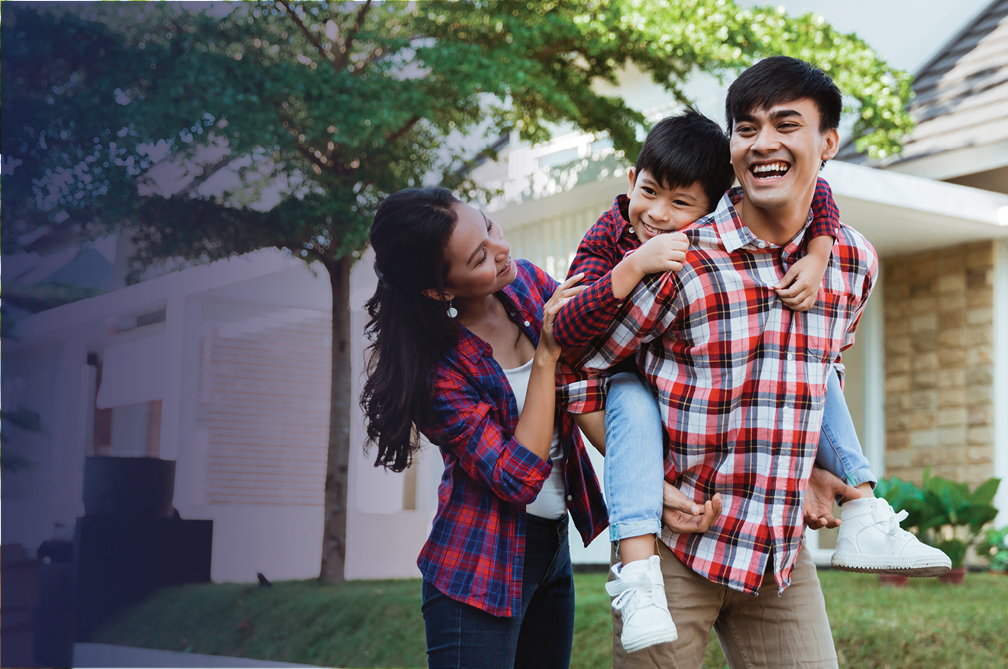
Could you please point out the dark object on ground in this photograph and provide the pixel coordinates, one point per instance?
(137, 487)
(263, 581)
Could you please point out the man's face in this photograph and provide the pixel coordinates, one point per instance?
(654, 209)
(777, 152)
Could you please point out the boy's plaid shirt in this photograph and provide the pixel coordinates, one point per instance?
(589, 315)
(741, 383)
(475, 552)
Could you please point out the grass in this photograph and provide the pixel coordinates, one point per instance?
(378, 623)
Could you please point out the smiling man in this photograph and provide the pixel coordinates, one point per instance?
(741, 381)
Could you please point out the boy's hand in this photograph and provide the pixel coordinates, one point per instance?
(682, 515)
(664, 253)
(800, 284)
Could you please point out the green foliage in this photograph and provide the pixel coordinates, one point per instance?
(943, 513)
(20, 419)
(995, 548)
(329, 106)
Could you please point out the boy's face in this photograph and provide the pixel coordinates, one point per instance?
(655, 209)
(777, 152)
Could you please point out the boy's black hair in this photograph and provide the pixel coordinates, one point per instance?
(781, 79)
(685, 149)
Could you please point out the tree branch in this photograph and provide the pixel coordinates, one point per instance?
(389, 139)
(352, 36)
(325, 53)
(203, 177)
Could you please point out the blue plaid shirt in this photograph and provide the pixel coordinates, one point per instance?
(476, 548)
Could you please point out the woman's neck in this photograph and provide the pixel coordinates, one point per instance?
(481, 311)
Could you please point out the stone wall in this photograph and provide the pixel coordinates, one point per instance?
(939, 311)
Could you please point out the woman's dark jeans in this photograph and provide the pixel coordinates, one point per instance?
(460, 636)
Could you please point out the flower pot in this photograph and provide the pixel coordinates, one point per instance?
(895, 580)
(955, 576)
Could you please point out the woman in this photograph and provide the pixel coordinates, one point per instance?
(463, 349)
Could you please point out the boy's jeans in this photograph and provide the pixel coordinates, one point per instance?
(634, 465)
(839, 450)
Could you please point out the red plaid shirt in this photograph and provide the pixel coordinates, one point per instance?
(741, 383)
(476, 548)
(590, 314)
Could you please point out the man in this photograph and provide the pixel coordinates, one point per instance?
(740, 380)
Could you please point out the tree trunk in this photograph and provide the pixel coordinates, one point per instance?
(338, 463)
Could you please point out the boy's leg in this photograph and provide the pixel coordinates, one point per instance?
(870, 538)
(634, 467)
(634, 472)
(791, 630)
(693, 601)
(839, 450)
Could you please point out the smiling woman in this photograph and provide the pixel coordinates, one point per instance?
(463, 351)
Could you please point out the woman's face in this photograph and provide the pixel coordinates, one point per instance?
(480, 259)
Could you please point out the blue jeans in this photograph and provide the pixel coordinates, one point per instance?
(634, 462)
(839, 450)
(460, 636)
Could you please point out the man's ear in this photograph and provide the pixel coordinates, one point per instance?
(437, 296)
(632, 173)
(831, 144)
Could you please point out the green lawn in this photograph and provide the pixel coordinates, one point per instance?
(378, 623)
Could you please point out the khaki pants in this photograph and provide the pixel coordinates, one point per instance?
(791, 630)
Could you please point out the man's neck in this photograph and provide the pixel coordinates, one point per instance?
(780, 224)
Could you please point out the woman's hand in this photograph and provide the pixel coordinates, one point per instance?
(564, 293)
(682, 515)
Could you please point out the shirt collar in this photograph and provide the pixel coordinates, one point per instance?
(735, 235)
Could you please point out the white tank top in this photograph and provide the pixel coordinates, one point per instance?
(550, 503)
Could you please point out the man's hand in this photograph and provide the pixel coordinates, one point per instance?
(664, 253)
(683, 516)
(822, 489)
(800, 285)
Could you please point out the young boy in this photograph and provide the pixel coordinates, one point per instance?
(682, 172)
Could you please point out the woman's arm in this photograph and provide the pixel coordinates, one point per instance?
(535, 425)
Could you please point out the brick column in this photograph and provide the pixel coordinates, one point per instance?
(939, 371)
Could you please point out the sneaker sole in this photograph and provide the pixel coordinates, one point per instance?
(652, 639)
(916, 567)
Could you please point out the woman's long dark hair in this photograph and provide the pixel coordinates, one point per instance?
(409, 331)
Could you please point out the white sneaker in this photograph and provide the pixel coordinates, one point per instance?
(871, 540)
(639, 595)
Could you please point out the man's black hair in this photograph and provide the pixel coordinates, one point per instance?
(780, 79)
(685, 149)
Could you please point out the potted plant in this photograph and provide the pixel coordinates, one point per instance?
(943, 513)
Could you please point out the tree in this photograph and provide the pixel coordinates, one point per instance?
(335, 105)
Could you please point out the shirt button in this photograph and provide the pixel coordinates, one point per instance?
(527, 324)
(570, 498)
(790, 356)
(761, 245)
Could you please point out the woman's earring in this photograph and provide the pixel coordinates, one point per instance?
(452, 311)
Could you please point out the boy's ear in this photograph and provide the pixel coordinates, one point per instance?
(632, 173)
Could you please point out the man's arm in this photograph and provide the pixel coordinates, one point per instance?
(871, 276)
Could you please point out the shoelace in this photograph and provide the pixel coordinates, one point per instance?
(627, 595)
(890, 520)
